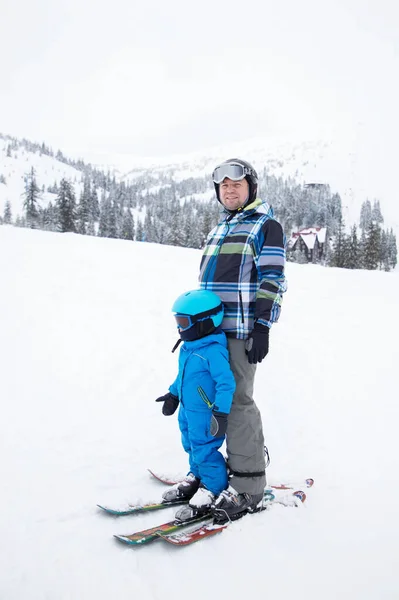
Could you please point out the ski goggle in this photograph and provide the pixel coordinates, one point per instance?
(186, 321)
(233, 171)
(183, 322)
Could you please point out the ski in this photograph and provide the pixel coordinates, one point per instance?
(132, 509)
(148, 535)
(181, 533)
(190, 535)
(167, 480)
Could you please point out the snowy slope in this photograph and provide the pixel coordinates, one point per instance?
(348, 167)
(48, 171)
(86, 334)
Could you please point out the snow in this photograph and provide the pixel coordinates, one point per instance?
(343, 164)
(47, 168)
(85, 348)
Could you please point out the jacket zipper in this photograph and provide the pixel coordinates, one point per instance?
(204, 397)
(241, 307)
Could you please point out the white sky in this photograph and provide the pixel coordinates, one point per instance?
(153, 78)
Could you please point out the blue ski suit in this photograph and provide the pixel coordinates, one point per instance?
(204, 383)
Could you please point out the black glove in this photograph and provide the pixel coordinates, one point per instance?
(171, 403)
(218, 424)
(258, 344)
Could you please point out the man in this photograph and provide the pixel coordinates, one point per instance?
(243, 263)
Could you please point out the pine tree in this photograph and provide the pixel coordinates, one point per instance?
(340, 247)
(127, 231)
(112, 220)
(94, 205)
(103, 227)
(83, 212)
(107, 225)
(139, 231)
(334, 216)
(376, 214)
(49, 218)
(353, 260)
(384, 252)
(372, 248)
(7, 213)
(392, 250)
(32, 195)
(9, 151)
(365, 215)
(362, 246)
(66, 207)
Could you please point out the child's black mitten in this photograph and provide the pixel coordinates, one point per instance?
(218, 424)
(170, 405)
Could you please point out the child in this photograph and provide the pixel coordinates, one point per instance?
(204, 387)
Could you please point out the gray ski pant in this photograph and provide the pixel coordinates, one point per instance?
(244, 439)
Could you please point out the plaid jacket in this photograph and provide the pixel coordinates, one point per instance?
(243, 263)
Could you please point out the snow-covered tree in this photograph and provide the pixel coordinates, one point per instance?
(392, 249)
(66, 207)
(339, 252)
(83, 210)
(127, 231)
(372, 247)
(7, 219)
(31, 199)
(352, 256)
(139, 231)
(365, 215)
(376, 214)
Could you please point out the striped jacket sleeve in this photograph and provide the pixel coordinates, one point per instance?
(270, 263)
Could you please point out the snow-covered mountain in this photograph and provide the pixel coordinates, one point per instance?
(341, 164)
(346, 167)
(85, 348)
(16, 163)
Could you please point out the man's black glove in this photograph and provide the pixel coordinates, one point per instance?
(218, 424)
(258, 344)
(170, 405)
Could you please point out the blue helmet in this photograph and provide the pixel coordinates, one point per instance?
(198, 313)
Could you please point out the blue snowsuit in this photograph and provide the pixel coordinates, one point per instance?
(204, 383)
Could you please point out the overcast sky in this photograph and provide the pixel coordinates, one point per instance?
(153, 78)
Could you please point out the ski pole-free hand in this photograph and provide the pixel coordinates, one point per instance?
(170, 403)
(257, 344)
(218, 424)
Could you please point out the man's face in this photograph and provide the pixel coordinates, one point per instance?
(233, 194)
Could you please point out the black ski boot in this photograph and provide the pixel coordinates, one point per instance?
(183, 490)
(231, 505)
(200, 504)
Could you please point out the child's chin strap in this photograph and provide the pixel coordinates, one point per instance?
(176, 345)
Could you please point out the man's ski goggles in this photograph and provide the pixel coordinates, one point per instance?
(233, 171)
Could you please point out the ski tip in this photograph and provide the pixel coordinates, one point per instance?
(300, 495)
(163, 478)
(104, 508)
